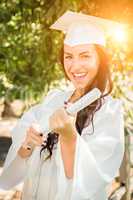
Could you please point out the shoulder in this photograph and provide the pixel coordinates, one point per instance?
(52, 94)
(52, 98)
(111, 105)
(111, 110)
(108, 118)
(47, 98)
(39, 106)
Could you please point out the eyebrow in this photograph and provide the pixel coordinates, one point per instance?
(67, 53)
(84, 52)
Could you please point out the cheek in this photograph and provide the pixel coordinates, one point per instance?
(92, 65)
(67, 65)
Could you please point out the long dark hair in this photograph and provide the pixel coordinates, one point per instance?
(84, 117)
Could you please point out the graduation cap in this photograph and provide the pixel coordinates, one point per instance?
(83, 29)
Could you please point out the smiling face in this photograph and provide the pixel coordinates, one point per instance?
(81, 64)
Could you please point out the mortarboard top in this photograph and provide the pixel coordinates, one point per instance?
(83, 29)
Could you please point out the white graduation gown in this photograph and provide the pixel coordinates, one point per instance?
(97, 157)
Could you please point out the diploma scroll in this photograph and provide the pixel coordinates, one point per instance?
(72, 109)
(84, 101)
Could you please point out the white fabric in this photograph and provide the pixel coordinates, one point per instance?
(84, 32)
(83, 28)
(97, 157)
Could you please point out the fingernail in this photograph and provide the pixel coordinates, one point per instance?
(44, 142)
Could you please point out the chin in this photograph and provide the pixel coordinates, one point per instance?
(80, 88)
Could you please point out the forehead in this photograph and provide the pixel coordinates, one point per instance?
(79, 48)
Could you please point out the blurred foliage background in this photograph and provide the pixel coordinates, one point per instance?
(29, 50)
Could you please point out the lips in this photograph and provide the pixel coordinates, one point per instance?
(79, 76)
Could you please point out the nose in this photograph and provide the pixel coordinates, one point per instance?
(75, 64)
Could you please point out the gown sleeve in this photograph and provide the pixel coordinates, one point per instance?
(14, 163)
(98, 156)
(15, 167)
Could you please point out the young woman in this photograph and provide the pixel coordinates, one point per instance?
(82, 154)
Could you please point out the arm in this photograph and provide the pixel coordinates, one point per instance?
(14, 173)
(98, 156)
(17, 157)
(14, 162)
(64, 124)
(68, 147)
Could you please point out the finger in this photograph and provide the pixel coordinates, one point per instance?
(34, 143)
(33, 135)
(31, 144)
(44, 143)
(36, 126)
(37, 138)
(67, 113)
(31, 129)
(71, 114)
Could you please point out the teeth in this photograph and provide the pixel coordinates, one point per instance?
(78, 75)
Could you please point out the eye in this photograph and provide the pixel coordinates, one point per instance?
(85, 56)
(68, 57)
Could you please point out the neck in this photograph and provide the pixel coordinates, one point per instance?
(76, 95)
(79, 92)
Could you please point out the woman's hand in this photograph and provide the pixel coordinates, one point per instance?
(63, 123)
(33, 139)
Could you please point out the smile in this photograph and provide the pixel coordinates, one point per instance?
(79, 75)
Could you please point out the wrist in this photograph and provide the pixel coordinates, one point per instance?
(25, 151)
(68, 138)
